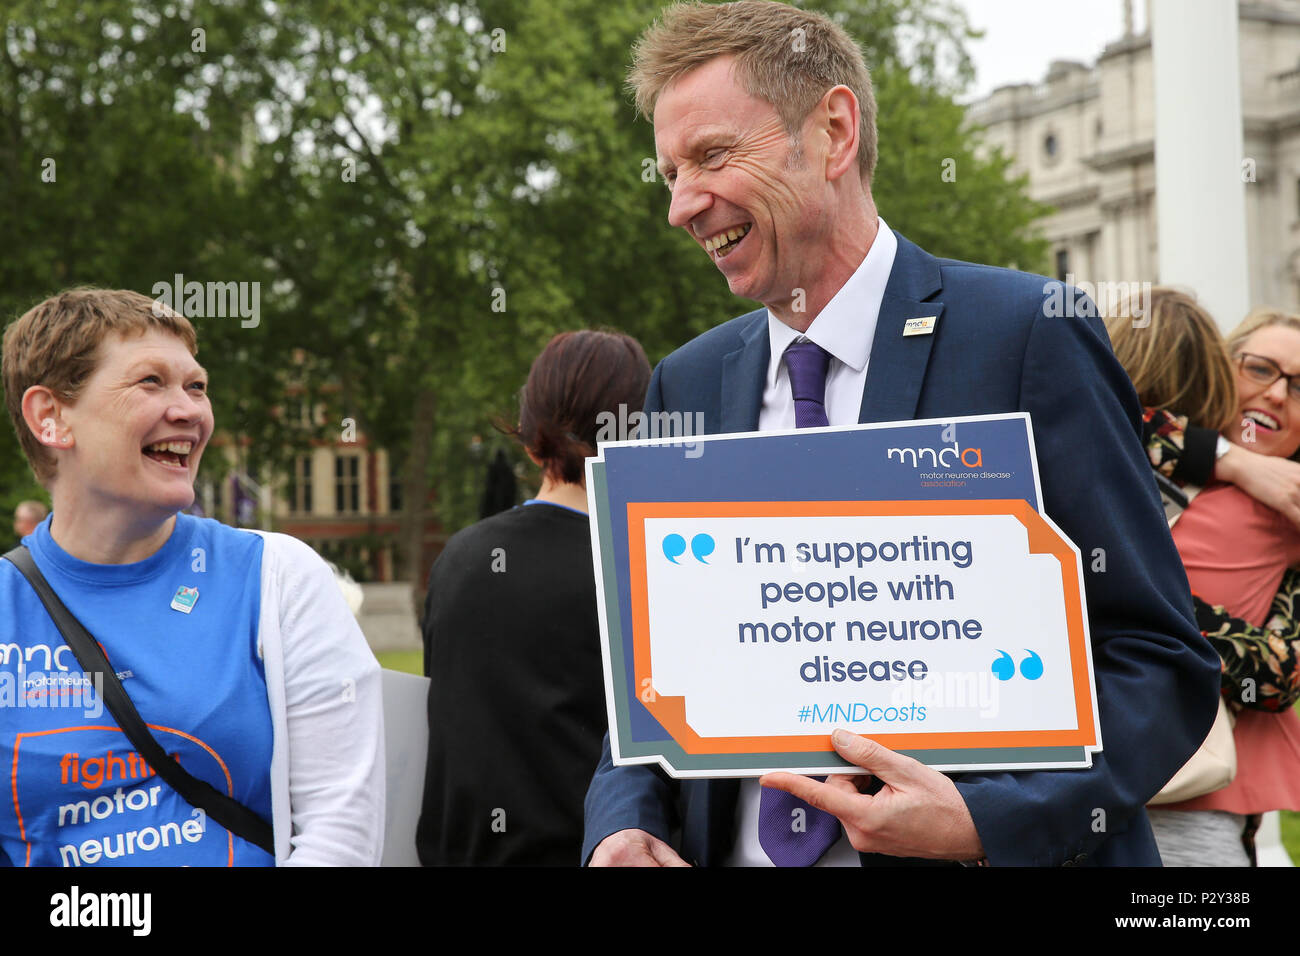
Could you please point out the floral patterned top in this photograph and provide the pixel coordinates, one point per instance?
(1260, 670)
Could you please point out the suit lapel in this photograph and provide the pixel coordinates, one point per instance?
(744, 372)
(896, 369)
(709, 827)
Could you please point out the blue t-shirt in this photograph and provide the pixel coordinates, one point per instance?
(80, 795)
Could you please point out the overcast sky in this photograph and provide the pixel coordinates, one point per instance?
(1022, 37)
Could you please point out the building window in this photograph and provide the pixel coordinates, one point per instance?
(1050, 146)
(347, 484)
(1062, 263)
(395, 495)
(297, 411)
(1297, 198)
(300, 500)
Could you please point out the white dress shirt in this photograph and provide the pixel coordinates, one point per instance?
(845, 329)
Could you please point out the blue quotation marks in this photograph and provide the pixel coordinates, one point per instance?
(1004, 668)
(701, 546)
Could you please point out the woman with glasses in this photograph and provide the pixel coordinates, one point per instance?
(1236, 548)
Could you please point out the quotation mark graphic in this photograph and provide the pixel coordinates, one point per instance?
(1004, 668)
(675, 546)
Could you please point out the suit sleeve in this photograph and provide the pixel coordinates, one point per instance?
(1157, 678)
(637, 796)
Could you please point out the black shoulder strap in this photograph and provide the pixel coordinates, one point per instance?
(226, 811)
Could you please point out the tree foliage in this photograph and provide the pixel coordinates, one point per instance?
(426, 192)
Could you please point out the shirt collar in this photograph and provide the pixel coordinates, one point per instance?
(847, 326)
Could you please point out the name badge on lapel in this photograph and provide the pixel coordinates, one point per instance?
(922, 326)
(184, 599)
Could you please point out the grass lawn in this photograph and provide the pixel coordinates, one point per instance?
(412, 662)
(1291, 828)
(409, 662)
(1291, 834)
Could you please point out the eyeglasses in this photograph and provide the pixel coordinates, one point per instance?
(1264, 372)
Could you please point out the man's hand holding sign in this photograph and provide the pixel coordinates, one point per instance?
(635, 848)
(917, 812)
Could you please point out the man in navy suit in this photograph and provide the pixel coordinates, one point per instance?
(765, 129)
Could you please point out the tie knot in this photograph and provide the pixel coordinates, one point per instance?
(807, 363)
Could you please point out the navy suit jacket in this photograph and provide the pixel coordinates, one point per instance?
(1004, 342)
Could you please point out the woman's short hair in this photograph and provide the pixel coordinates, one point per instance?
(785, 56)
(1177, 360)
(56, 344)
(576, 378)
(1258, 319)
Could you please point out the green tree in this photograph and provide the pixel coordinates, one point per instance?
(426, 191)
(122, 130)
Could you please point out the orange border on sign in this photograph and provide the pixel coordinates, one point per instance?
(671, 711)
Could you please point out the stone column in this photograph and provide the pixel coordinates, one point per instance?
(1200, 195)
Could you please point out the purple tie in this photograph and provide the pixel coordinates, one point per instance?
(791, 832)
(807, 362)
(790, 837)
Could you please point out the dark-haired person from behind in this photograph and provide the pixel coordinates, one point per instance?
(511, 637)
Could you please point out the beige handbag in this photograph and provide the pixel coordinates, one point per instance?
(1214, 765)
(1211, 768)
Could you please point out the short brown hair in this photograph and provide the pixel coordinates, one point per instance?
(1177, 359)
(576, 378)
(56, 344)
(785, 56)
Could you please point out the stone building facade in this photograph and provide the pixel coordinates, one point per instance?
(1084, 136)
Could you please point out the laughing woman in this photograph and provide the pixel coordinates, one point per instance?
(235, 647)
(1235, 548)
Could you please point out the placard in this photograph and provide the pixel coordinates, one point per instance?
(758, 591)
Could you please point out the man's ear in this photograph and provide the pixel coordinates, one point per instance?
(43, 414)
(839, 116)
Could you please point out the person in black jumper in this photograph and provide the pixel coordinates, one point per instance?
(511, 638)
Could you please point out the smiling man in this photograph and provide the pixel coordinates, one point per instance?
(764, 126)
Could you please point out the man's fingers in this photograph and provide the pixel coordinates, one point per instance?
(635, 848)
(873, 757)
(665, 855)
(840, 803)
(849, 782)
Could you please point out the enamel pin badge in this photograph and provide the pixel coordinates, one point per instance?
(922, 326)
(184, 599)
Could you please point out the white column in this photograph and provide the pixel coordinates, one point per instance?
(1200, 196)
